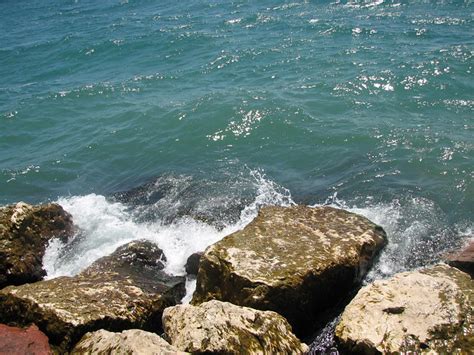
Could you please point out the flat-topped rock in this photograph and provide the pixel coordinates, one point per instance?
(429, 310)
(131, 342)
(25, 231)
(102, 296)
(216, 327)
(296, 261)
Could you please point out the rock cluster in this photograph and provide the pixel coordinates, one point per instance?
(296, 261)
(25, 231)
(104, 295)
(256, 289)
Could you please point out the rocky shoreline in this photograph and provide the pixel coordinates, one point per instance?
(262, 290)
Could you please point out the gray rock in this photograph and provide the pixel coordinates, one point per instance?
(429, 310)
(296, 261)
(132, 342)
(25, 231)
(216, 327)
(103, 296)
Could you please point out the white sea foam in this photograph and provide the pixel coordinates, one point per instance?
(417, 232)
(416, 229)
(105, 225)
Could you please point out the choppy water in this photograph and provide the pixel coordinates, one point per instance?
(146, 118)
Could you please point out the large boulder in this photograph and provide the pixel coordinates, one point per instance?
(463, 259)
(102, 296)
(25, 231)
(429, 310)
(132, 342)
(216, 327)
(23, 341)
(296, 261)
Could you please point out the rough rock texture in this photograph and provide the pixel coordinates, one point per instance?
(140, 261)
(463, 260)
(192, 264)
(24, 234)
(133, 341)
(102, 296)
(216, 327)
(23, 341)
(419, 311)
(296, 261)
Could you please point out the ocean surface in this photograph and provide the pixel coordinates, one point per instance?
(175, 121)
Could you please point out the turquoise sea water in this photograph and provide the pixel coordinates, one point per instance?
(222, 106)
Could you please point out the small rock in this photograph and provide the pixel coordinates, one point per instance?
(464, 259)
(23, 341)
(25, 231)
(297, 261)
(192, 264)
(216, 327)
(429, 310)
(132, 342)
(102, 296)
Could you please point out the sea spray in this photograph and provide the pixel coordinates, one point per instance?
(417, 229)
(105, 224)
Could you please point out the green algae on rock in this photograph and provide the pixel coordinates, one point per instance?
(217, 327)
(25, 231)
(295, 260)
(102, 296)
(132, 341)
(430, 310)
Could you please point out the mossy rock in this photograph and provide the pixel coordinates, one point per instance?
(424, 311)
(101, 297)
(296, 261)
(216, 327)
(25, 231)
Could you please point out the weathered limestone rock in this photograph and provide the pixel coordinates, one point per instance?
(419, 311)
(216, 327)
(102, 296)
(464, 259)
(24, 234)
(23, 341)
(192, 264)
(132, 342)
(296, 261)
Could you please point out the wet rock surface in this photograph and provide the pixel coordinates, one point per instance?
(216, 327)
(464, 259)
(192, 264)
(419, 311)
(297, 261)
(24, 234)
(102, 296)
(30, 340)
(215, 203)
(140, 261)
(133, 342)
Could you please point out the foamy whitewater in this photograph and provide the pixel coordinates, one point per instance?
(416, 235)
(105, 225)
